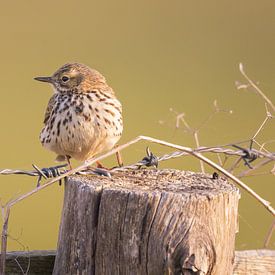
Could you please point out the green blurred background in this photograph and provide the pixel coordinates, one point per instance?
(156, 55)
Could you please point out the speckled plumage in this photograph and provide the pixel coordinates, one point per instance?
(83, 117)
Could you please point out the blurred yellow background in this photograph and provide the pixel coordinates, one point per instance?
(156, 55)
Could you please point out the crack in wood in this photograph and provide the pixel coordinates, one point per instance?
(150, 228)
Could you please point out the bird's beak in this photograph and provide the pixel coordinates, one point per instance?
(44, 79)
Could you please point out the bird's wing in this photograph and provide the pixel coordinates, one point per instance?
(49, 109)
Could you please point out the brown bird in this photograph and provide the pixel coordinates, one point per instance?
(83, 117)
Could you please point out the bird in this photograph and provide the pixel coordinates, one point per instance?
(83, 117)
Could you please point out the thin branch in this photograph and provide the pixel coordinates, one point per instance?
(262, 147)
(257, 166)
(257, 89)
(235, 164)
(220, 159)
(216, 111)
(260, 128)
(198, 145)
(269, 234)
(258, 174)
(4, 241)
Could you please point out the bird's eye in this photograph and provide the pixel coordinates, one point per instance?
(65, 78)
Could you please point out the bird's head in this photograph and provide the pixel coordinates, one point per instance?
(74, 77)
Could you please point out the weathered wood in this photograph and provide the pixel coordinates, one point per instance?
(256, 262)
(148, 222)
(31, 263)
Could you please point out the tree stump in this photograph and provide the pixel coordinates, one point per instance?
(148, 222)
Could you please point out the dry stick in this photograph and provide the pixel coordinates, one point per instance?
(219, 159)
(198, 145)
(250, 170)
(262, 147)
(20, 267)
(4, 241)
(269, 234)
(259, 174)
(235, 164)
(196, 131)
(179, 118)
(266, 99)
(261, 127)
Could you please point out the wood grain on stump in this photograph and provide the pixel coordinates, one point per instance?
(148, 222)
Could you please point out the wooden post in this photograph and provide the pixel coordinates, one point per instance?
(148, 222)
(256, 262)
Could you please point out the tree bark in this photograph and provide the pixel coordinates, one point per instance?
(148, 222)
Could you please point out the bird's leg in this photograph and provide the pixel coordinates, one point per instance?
(100, 165)
(69, 162)
(119, 159)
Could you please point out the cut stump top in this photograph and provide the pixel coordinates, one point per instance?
(167, 180)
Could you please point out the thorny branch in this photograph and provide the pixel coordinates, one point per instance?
(243, 153)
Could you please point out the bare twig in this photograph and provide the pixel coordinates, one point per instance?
(4, 241)
(235, 164)
(262, 147)
(269, 234)
(249, 171)
(180, 117)
(257, 89)
(196, 136)
(220, 159)
(216, 111)
(261, 127)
